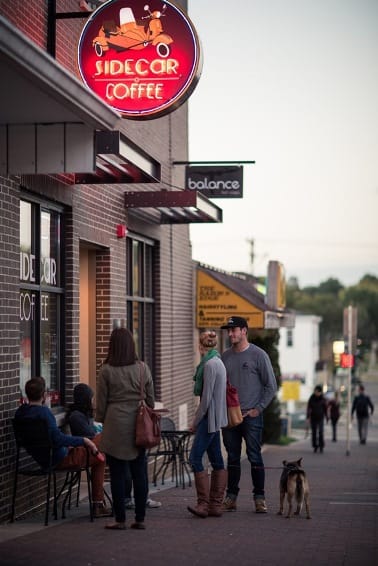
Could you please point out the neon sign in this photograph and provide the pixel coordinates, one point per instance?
(142, 60)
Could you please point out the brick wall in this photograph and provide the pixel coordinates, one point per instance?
(91, 215)
(9, 330)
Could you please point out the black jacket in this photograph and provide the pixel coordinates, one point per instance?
(361, 405)
(317, 408)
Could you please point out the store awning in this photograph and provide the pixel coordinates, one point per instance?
(50, 123)
(175, 207)
(119, 160)
(38, 90)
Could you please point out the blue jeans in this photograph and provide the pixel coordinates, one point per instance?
(118, 474)
(209, 442)
(251, 431)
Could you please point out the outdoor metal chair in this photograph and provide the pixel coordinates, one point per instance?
(33, 437)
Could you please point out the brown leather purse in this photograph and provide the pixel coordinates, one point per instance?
(148, 421)
(234, 413)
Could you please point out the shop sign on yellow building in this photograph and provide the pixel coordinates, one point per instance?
(290, 390)
(216, 303)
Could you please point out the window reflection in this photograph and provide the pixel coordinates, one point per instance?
(140, 302)
(40, 309)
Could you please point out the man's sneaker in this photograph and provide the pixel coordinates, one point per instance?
(229, 504)
(100, 510)
(260, 506)
(151, 504)
(129, 504)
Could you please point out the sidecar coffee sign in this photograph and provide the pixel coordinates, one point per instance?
(215, 182)
(143, 60)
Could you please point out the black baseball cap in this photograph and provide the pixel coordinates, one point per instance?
(235, 322)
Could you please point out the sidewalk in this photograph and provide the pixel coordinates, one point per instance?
(343, 529)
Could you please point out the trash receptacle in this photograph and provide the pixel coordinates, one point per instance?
(284, 426)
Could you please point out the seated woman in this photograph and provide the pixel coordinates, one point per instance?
(79, 416)
(80, 419)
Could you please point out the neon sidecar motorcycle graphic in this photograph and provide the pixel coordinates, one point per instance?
(144, 61)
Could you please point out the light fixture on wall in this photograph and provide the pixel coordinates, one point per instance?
(121, 231)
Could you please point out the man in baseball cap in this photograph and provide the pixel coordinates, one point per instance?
(249, 370)
(235, 322)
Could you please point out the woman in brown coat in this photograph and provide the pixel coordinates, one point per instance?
(117, 399)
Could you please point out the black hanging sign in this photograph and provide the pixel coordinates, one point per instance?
(224, 181)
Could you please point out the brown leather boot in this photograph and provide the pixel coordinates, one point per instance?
(217, 488)
(202, 486)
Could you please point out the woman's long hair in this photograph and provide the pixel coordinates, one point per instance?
(82, 395)
(121, 348)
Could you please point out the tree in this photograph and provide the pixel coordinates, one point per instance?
(328, 301)
(268, 340)
(324, 301)
(364, 296)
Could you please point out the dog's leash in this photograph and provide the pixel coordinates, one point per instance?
(268, 467)
(262, 467)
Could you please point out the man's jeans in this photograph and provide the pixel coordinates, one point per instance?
(209, 442)
(118, 472)
(317, 431)
(251, 430)
(363, 423)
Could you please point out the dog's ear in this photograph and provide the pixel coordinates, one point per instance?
(299, 462)
(284, 462)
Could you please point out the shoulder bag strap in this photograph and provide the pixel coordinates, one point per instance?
(141, 379)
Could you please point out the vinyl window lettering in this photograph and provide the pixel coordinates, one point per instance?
(40, 297)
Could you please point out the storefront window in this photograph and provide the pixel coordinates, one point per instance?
(41, 295)
(140, 300)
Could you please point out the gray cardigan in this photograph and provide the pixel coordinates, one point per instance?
(213, 398)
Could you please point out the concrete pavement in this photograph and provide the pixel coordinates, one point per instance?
(343, 529)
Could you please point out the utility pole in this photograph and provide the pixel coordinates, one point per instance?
(251, 243)
(350, 333)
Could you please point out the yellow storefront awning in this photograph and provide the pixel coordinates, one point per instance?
(216, 302)
(221, 295)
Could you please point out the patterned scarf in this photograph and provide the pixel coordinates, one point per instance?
(198, 376)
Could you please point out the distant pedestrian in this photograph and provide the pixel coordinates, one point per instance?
(316, 413)
(361, 405)
(334, 414)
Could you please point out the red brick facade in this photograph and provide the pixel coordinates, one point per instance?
(91, 214)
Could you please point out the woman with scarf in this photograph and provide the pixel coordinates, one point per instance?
(211, 415)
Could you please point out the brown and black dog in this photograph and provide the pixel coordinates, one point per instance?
(294, 483)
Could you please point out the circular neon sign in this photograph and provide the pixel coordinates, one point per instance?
(143, 60)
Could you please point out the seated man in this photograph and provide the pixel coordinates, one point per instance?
(69, 451)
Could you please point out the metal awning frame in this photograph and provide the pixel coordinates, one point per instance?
(119, 160)
(176, 207)
(40, 107)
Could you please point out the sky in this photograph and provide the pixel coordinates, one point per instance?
(293, 86)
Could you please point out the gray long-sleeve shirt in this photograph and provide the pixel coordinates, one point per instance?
(252, 374)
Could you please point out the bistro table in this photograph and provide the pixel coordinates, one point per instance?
(174, 450)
